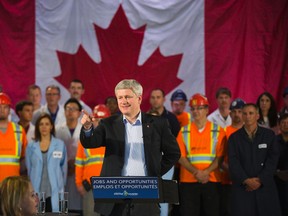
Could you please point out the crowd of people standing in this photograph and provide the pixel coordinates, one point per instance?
(231, 161)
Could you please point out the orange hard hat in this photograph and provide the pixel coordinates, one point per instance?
(198, 100)
(5, 99)
(101, 111)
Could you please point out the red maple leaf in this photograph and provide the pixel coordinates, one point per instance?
(119, 48)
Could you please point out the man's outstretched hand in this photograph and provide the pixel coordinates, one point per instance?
(87, 120)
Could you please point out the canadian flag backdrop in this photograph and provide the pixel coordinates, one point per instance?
(194, 45)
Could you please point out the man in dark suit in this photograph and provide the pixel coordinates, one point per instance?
(137, 144)
(253, 156)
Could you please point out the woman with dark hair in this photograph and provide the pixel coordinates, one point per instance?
(46, 161)
(18, 197)
(267, 111)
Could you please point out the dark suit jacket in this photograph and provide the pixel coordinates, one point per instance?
(160, 147)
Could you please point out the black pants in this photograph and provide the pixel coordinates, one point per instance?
(225, 200)
(199, 199)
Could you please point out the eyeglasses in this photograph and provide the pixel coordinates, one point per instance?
(198, 108)
(71, 109)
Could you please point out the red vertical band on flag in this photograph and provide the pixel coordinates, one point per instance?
(17, 47)
(240, 41)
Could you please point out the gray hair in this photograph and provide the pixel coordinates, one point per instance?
(132, 84)
(54, 87)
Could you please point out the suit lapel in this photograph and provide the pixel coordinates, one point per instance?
(147, 127)
(119, 129)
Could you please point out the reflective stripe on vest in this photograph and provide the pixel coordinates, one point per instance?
(14, 159)
(9, 160)
(90, 159)
(201, 158)
(189, 117)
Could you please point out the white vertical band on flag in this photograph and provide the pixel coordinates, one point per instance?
(176, 27)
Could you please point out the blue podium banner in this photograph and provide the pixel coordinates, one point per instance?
(117, 188)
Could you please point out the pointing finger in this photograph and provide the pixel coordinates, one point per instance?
(85, 112)
(88, 115)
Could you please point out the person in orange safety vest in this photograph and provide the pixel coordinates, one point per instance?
(89, 163)
(12, 142)
(202, 148)
(178, 104)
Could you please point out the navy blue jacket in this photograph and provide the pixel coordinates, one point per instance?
(254, 158)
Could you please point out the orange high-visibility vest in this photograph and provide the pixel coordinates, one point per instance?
(225, 175)
(88, 163)
(12, 148)
(201, 148)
